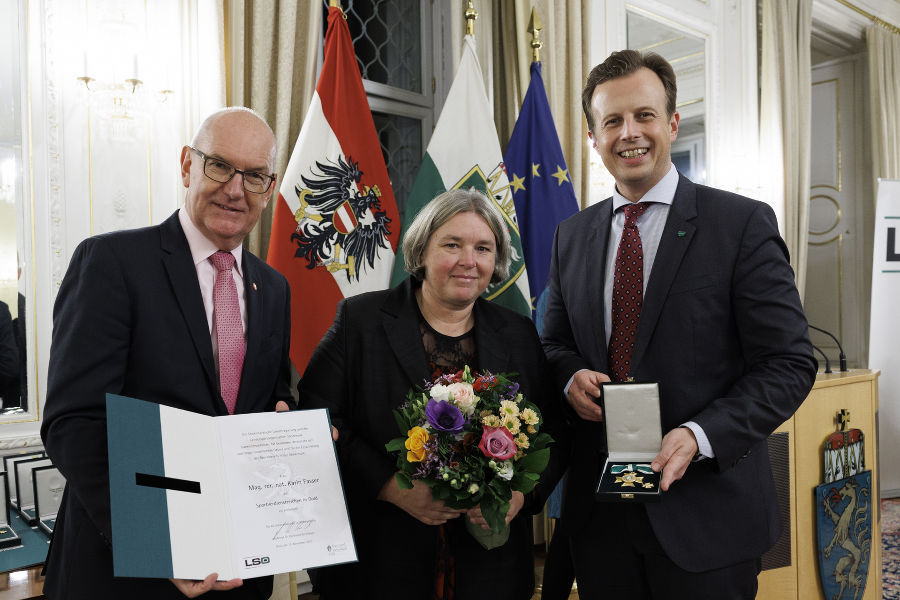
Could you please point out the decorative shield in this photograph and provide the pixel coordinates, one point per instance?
(844, 535)
(344, 219)
(844, 454)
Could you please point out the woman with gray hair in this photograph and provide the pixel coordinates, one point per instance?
(383, 344)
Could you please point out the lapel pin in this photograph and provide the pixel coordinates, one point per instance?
(254, 286)
(682, 233)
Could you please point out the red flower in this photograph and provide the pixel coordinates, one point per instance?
(484, 383)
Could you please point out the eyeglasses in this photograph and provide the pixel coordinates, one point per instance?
(220, 171)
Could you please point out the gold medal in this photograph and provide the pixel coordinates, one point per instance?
(629, 478)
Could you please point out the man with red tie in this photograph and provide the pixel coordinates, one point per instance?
(177, 313)
(689, 287)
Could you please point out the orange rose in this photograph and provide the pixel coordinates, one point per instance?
(415, 444)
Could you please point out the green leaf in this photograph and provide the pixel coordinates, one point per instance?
(403, 480)
(524, 482)
(495, 514)
(402, 421)
(535, 461)
(396, 445)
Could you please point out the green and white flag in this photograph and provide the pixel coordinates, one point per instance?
(463, 153)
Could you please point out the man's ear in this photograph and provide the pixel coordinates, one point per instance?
(593, 141)
(272, 190)
(673, 123)
(186, 158)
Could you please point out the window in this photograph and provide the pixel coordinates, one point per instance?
(396, 42)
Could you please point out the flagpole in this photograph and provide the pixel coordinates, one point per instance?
(534, 28)
(471, 15)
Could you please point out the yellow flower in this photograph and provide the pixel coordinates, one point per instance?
(490, 420)
(509, 408)
(522, 441)
(532, 429)
(415, 443)
(530, 417)
(512, 423)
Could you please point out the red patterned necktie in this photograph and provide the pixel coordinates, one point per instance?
(628, 294)
(229, 330)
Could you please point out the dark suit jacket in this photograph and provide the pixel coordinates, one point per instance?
(129, 319)
(362, 369)
(9, 359)
(723, 332)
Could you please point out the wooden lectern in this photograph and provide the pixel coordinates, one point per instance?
(794, 572)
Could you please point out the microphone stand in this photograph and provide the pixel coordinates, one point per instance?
(827, 362)
(842, 358)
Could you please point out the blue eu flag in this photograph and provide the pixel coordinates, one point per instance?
(540, 184)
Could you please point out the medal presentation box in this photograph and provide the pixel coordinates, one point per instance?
(9, 465)
(633, 429)
(48, 484)
(25, 487)
(8, 537)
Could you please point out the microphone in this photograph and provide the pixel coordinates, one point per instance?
(827, 362)
(842, 358)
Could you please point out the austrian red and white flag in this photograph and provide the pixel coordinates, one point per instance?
(336, 227)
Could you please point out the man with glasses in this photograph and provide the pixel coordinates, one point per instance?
(178, 314)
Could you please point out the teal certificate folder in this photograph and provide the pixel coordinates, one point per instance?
(242, 496)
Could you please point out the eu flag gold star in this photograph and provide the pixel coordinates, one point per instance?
(517, 183)
(561, 175)
(534, 169)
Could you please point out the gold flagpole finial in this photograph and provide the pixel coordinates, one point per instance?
(471, 15)
(334, 3)
(534, 28)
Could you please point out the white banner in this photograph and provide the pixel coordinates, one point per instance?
(884, 330)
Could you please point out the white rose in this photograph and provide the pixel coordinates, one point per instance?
(505, 470)
(440, 393)
(463, 397)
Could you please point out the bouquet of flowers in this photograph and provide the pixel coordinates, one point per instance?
(474, 439)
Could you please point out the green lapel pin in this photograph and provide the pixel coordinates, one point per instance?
(682, 233)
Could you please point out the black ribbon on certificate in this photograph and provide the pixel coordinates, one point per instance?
(167, 483)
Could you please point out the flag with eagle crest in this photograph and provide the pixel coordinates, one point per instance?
(336, 227)
(464, 152)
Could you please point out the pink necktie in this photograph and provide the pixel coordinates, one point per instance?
(628, 294)
(229, 330)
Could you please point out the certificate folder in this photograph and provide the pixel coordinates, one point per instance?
(242, 496)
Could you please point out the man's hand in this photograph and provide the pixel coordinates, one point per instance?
(282, 406)
(192, 589)
(679, 447)
(515, 505)
(418, 502)
(583, 392)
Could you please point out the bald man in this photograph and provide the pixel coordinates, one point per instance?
(135, 316)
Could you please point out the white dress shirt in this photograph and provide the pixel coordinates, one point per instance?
(201, 249)
(650, 224)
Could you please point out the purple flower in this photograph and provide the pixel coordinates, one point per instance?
(443, 416)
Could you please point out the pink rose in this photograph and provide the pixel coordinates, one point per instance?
(497, 442)
(463, 397)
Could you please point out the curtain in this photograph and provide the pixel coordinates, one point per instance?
(785, 87)
(564, 58)
(884, 100)
(273, 49)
